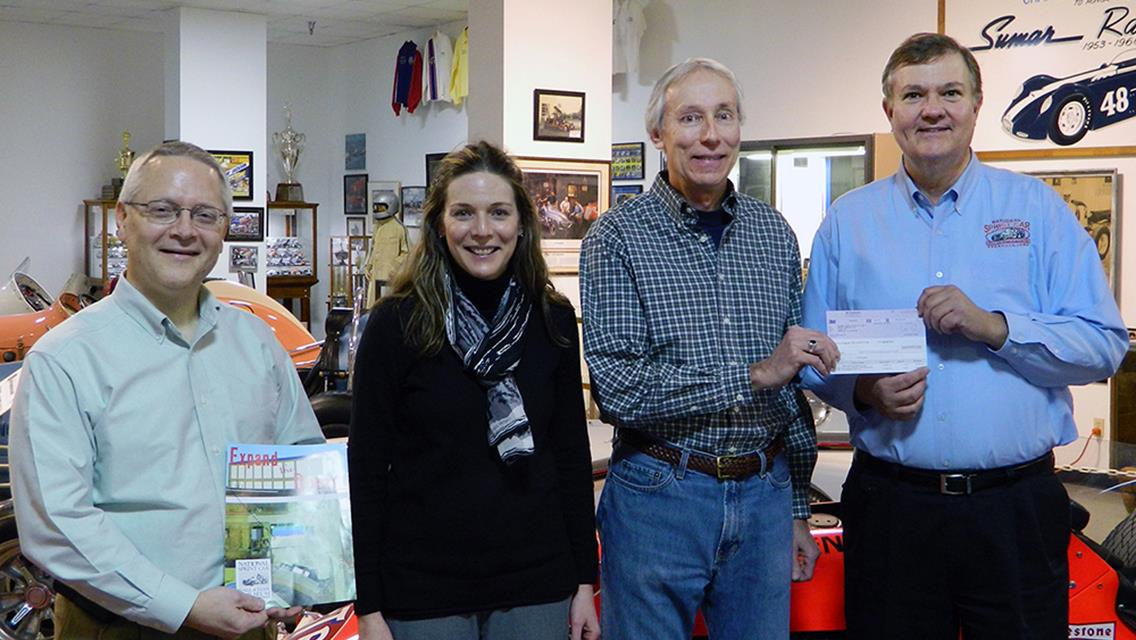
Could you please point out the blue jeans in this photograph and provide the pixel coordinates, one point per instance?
(534, 622)
(676, 540)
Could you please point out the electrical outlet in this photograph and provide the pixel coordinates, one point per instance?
(1098, 427)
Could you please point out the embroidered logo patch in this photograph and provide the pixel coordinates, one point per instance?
(1007, 233)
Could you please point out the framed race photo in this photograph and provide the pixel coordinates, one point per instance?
(356, 225)
(237, 166)
(243, 258)
(432, 162)
(1093, 197)
(569, 196)
(246, 225)
(621, 193)
(355, 194)
(413, 200)
(558, 116)
(627, 161)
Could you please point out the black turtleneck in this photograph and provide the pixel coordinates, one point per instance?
(484, 294)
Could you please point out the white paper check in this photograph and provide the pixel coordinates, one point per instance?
(878, 340)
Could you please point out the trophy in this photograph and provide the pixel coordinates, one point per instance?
(289, 143)
(123, 161)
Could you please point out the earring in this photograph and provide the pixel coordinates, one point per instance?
(521, 234)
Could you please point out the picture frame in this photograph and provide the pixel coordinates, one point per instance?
(237, 166)
(355, 152)
(621, 193)
(355, 194)
(569, 196)
(383, 198)
(1093, 197)
(413, 202)
(558, 116)
(432, 162)
(243, 258)
(246, 225)
(627, 159)
(356, 225)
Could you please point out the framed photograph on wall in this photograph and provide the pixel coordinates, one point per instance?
(432, 162)
(621, 193)
(627, 161)
(558, 116)
(356, 225)
(1094, 198)
(355, 152)
(569, 196)
(243, 258)
(413, 200)
(237, 166)
(355, 194)
(246, 225)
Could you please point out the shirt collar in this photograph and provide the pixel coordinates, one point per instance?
(959, 193)
(681, 211)
(139, 308)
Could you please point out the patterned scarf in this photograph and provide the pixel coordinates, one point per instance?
(491, 354)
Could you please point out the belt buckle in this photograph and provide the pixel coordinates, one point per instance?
(721, 473)
(945, 484)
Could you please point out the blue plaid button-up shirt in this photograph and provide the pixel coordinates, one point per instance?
(671, 326)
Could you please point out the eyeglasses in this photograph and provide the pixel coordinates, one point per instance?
(164, 212)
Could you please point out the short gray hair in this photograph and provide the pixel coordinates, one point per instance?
(656, 106)
(178, 149)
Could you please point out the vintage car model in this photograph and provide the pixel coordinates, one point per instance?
(1064, 109)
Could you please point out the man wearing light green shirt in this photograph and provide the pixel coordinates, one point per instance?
(123, 413)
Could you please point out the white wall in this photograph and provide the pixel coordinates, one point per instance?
(345, 90)
(807, 68)
(66, 94)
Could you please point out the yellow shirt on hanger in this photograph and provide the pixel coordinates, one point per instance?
(459, 74)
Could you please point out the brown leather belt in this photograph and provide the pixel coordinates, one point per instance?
(954, 483)
(721, 467)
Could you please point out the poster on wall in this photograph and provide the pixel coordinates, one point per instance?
(237, 166)
(1055, 74)
(1093, 197)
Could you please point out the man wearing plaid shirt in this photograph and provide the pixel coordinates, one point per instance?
(691, 297)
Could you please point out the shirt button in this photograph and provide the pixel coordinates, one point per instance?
(938, 274)
(737, 409)
(733, 449)
(946, 463)
(942, 417)
(942, 366)
(725, 320)
(740, 397)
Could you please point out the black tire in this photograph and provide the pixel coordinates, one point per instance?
(28, 594)
(333, 412)
(1103, 238)
(1071, 120)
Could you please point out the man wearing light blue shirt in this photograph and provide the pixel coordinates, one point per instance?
(953, 471)
(122, 418)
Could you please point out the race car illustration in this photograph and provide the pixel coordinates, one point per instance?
(1064, 109)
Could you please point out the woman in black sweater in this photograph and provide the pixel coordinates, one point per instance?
(471, 485)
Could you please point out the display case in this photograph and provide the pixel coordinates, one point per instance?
(291, 253)
(347, 259)
(104, 255)
(801, 177)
